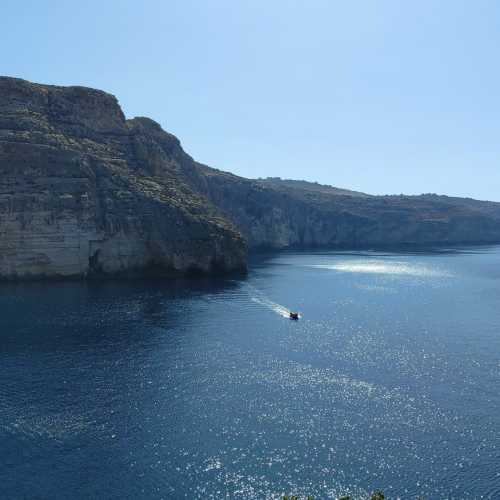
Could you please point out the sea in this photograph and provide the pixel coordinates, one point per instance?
(205, 389)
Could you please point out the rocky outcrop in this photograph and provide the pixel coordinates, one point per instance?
(81, 192)
(85, 192)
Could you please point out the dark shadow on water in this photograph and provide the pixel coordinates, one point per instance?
(69, 315)
(172, 288)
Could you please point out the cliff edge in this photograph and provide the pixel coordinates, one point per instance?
(86, 192)
(81, 193)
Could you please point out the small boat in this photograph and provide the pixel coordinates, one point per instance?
(294, 315)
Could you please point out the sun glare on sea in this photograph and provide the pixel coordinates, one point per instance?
(383, 267)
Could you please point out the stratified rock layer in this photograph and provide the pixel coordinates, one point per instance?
(81, 192)
(85, 192)
(313, 215)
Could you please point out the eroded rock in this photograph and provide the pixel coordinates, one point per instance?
(81, 193)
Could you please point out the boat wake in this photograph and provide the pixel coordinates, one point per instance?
(258, 297)
(273, 306)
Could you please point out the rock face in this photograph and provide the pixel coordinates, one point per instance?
(85, 192)
(277, 214)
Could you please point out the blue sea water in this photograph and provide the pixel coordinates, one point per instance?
(204, 389)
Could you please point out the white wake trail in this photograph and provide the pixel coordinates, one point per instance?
(277, 308)
(258, 297)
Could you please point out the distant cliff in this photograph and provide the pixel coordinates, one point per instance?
(274, 213)
(85, 192)
(395, 220)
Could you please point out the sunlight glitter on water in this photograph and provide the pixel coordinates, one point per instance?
(383, 267)
(203, 390)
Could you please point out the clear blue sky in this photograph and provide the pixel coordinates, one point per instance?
(379, 96)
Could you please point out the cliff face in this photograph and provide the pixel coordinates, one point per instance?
(83, 191)
(278, 214)
(80, 192)
(274, 213)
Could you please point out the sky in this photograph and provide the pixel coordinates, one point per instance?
(380, 96)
